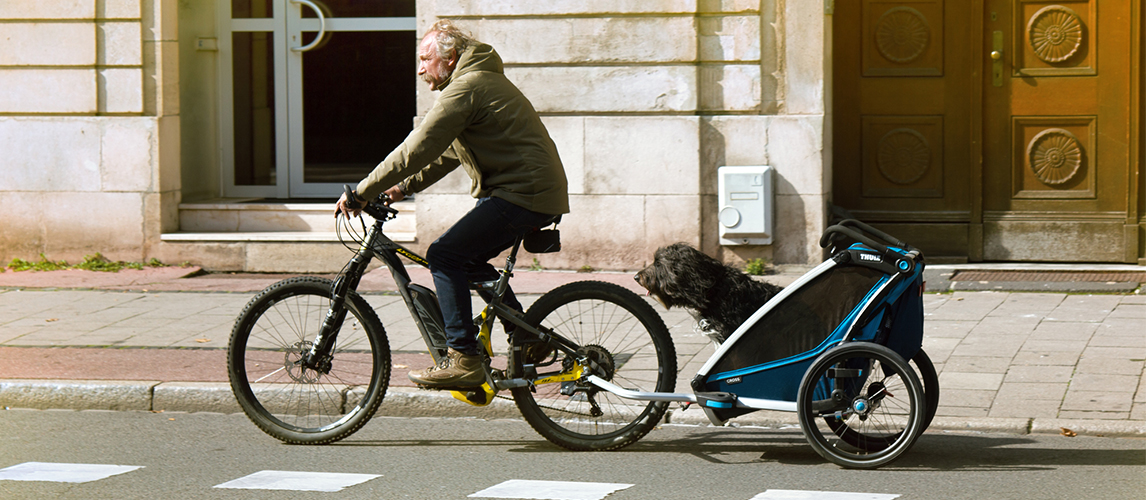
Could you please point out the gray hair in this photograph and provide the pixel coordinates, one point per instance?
(448, 37)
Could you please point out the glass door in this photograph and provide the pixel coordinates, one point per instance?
(315, 93)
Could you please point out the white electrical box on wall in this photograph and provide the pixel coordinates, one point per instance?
(745, 201)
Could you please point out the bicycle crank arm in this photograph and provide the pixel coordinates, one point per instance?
(511, 383)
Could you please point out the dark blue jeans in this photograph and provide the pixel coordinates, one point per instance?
(461, 255)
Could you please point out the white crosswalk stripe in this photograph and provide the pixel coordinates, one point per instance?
(820, 495)
(63, 473)
(550, 490)
(297, 481)
(333, 482)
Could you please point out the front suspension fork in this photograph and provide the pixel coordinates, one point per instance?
(319, 356)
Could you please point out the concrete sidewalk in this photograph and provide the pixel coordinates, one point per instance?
(155, 340)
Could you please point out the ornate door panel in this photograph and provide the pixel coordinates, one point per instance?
(1057, 126)
(991, 129)
(902, 79)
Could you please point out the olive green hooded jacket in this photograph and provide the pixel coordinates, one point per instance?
(482, 122)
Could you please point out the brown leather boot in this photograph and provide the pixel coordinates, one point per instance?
(461, 370)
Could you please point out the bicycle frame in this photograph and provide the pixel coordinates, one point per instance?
(377, 245)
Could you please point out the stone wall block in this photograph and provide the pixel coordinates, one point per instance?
(589, 40)
(32, 9)
(466, 8)
(121, 90)
(731, 140)
(669, 219)
(799, 222)
(730, 87)
(729, 38)
(127, 155)
(710, 6)
(568, 133)
(608, 89)
(169, 149)
(795, 146)
(213, 256)
(48, 91)
(120, 44)
(160, 20)
(22, 233)
(641, 155)
(804, 24)
(118, 9)
(161, 78)
(49, 154)
(602, 231)
(110, 223)
(47, 44)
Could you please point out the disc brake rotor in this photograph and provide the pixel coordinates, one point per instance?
(292, 362)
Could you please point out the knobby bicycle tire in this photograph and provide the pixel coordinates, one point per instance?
(629, 339)
(295, 404)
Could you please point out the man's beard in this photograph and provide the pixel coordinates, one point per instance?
(435, 81)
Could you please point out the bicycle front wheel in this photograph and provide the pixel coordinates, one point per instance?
(629, 342)
(289, 401)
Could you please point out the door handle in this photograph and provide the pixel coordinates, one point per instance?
(321, 26)
(997, 57)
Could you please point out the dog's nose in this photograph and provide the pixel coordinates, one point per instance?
(637, 277)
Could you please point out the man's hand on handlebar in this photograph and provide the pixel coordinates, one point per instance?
(395, 194)
(351, 205)
(349, 208)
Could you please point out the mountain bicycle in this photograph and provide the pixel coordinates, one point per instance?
(309, 361)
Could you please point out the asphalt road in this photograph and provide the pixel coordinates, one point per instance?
(188, 455)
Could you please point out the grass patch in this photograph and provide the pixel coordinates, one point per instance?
(93, 262)
(756, 267)
(44, 264)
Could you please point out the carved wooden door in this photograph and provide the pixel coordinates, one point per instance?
(903, 84)
(1057, 125)
(991, 129)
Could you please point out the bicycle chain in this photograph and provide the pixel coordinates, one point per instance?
(549, 407)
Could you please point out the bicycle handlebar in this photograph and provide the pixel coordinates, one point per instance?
(351, 198)
(379, 209)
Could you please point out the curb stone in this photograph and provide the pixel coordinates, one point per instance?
(409, 402)
(77, 394)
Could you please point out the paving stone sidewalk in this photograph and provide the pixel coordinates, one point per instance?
(1007, 361)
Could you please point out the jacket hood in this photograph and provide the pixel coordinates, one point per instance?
(480, 57)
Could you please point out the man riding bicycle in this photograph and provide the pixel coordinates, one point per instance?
(482, 122)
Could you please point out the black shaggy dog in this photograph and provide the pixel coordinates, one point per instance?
(722, 296)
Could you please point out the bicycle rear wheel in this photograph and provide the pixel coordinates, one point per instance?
(925, 370)
(297, 404)
(871, 394)
(627, 339)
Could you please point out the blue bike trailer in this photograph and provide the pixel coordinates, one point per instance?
(862, 294)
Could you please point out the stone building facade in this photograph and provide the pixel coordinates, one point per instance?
(121, 130)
